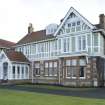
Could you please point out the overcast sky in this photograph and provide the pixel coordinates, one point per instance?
(15, 15)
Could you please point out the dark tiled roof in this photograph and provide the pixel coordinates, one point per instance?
(35, 36)
(97, 26)
(5, 43)
(16, 56)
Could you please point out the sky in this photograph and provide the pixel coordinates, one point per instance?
(15, 15)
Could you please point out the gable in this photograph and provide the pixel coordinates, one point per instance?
(73, 22)
(3, 57)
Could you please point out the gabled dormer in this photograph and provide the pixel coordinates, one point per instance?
(73, 22)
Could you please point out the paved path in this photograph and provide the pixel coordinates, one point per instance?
(98, 93)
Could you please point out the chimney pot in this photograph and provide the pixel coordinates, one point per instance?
(30, 28)
(102, 21)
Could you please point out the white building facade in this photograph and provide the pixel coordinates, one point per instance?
(67, 54)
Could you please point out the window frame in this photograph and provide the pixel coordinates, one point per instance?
(51, 70)
(37, 68)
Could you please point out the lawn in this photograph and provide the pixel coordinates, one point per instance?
(13, 97)
(52, 87)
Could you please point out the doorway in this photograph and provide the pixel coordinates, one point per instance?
(5, 71)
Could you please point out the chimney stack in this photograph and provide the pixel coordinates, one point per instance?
(102, 21)
(30, 28)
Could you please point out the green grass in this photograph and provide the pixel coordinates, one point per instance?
(10, 97)
(51, 87)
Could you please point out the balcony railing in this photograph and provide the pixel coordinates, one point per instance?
(54, 54)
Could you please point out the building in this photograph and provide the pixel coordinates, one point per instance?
(70, 54)
(6, 45)
(14, 67)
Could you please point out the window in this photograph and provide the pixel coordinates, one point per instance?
(95, 39)
(72, 15)
(74, 62)
(73, 29)
(66, 42)
(19, 49)
(55, 45)
(73, 24)
(74, 72)
(68, 62)
(79, 43)
(67, 30)
(78, 22)
(73, 45)
(69, 25)
(26, 72)
(46, 71)
(89, 40)
(59, 44)
(22, 76)
(50, 68)
(18, 72)
(81, 71)
(37, 69)
(68, 71)
(13, 71)
(95, 36)
(71, 71)
(22, 70)
(78, 28)
(84, 42)
(42, 47)
(71, 68)
(38, 46)
(55, 69)
(82, 62)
